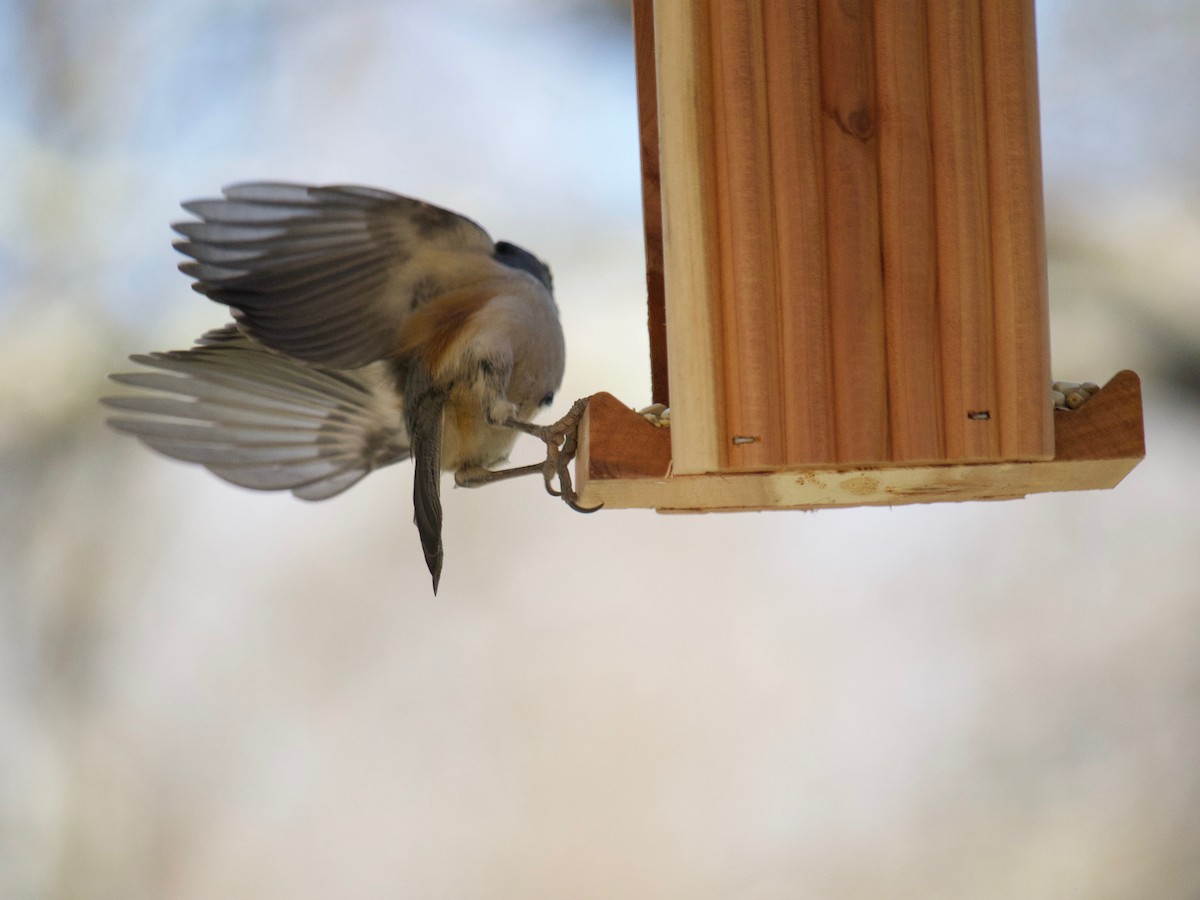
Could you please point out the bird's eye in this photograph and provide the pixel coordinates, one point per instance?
(547, 400)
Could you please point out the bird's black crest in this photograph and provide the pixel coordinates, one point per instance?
(519, 258)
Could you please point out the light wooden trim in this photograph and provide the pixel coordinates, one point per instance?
(690, 244)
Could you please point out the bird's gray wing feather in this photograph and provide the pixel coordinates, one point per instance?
(328, 274)
(261, 420)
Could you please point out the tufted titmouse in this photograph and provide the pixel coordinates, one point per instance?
(370, 327)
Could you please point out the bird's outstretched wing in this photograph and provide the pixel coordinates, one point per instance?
(329, 274)
(261, 420)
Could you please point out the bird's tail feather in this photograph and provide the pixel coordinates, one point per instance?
(425, 425)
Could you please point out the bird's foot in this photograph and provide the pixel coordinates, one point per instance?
(562, 442)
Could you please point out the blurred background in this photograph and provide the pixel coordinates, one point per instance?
(207, 692)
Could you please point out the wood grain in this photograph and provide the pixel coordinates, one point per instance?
(963, 239)
(1018, 246)
(753, 395)
(851, 165)
(914, 371)
(792, 45)
(852, 247)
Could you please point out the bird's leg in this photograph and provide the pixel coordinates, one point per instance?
(561, 440)
(478, 476)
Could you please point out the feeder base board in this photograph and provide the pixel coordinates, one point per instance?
(624, 462)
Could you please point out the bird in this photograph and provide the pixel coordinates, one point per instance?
(368, 328)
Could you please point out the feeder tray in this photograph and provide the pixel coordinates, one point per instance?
(846, 265)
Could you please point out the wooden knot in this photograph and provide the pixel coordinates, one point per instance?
(860, 124)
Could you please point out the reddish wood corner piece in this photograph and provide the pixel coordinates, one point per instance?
(1109, 426)
(622, 444)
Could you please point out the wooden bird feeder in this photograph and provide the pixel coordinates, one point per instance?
(846, 265)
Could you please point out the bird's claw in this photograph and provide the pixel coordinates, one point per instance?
(562, 442)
